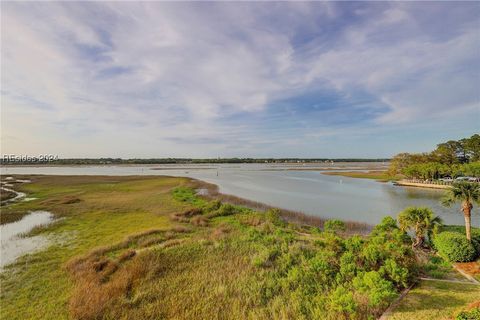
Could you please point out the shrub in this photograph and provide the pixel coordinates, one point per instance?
(454, 246)
(212, 206)
(354, 244)
(342, 302)
(273, 215)
(348, 267)
(387, 224)
(473, 314)
(377, 290)
(334, 226)
(225, 209)
(396, 273)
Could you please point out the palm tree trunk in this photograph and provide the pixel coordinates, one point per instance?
(418, 237)
(467, 208)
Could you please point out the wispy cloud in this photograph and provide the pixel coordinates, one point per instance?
(208, 79)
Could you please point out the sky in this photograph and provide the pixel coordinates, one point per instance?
(237, 79)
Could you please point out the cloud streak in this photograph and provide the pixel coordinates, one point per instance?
(209, 79)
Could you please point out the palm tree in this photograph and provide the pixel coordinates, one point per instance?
(467, 193)
(434, 224)
(421, 220)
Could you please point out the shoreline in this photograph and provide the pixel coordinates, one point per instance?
(421, 185)
(211, 192)
(379, 177)
(297, 217)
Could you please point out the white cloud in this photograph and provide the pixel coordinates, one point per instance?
(174, 71)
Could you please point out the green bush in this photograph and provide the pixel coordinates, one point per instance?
(212, 206)
(473, 314)
(225, 209)
(378, 291)
(334, 226)
(455, 247)
(341, 302)
(387, 224)
(273, 215)
(265, 257)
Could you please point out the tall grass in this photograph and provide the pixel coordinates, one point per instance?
(150, 248)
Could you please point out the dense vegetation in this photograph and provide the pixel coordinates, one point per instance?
(472, 314)
(452, 244)
(149, 248)
(455, 247)
(449, 159)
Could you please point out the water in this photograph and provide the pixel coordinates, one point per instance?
(14, 244)
(294, 187)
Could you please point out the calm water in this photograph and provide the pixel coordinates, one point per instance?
(303, 190)
(13, 242)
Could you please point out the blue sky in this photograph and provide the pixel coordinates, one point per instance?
(246, 79)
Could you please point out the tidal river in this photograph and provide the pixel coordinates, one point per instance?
(294, 187)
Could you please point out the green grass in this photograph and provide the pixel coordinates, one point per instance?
(37, 286)
(438, 268)
(460, 229)
(187, 195)
(435, 300)
(149, 248)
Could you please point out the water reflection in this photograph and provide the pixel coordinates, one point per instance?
(13, 242)
(278, 185)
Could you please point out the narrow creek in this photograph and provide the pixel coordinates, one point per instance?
(13, 242)
(13, 239)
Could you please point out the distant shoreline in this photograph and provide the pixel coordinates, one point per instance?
(421, 185)
(379, 175)
(184, 161)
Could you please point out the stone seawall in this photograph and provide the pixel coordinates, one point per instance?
(422, 185)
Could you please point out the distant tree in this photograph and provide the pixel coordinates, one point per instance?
(466, 193)
(403, 160)
(448, 152)
(472, 147)
(471, 169)
(419, 219)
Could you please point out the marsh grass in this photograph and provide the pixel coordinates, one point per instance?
(211, 193)
(37, 285)
(379, 175)
(150, 248)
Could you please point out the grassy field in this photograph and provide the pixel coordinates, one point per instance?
(96, 211)
(376, 175)
(149, 248)
(435, 300)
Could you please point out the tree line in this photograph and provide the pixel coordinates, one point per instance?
(450, 159)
